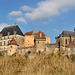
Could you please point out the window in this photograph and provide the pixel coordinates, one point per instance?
(38, 41)
(11, 46)
(66, 41)
(4, 42)
(68, 49)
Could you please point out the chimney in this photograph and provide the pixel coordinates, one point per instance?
(8, 33)
(14, 32)
(15, 24)
(40, 35)
(33, 31)
(40, 31)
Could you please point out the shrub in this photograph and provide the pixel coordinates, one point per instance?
(52, 54)
(45, 49)
(26, 56)
(67, 56)
(13, 55)
(59, 54)
(29, 52)
(72, 57)
(39, 52)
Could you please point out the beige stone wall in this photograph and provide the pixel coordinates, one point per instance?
(12, 49)
(28, 41)
(40, 45)
(24, 50)
(70, 51)
(6, 39)
(47, 40)
(20, 40)
(61, 42)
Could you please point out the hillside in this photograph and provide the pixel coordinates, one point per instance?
(40, 64)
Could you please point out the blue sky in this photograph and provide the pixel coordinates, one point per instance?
(49, 16)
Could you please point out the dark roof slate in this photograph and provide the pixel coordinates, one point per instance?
(65, 32)
(11, 29)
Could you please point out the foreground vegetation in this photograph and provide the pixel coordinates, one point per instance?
(40, 64)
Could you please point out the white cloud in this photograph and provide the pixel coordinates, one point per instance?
(2, 25)
(26, 8)
(21, 20)
(15, 13)
(56, 30)
(50, 8)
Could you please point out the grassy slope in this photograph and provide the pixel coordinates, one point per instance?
(39, 65)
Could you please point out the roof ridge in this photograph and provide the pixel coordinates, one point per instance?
(68, 30)
(10, 26)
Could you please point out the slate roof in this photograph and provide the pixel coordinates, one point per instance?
(65, 32)
(11, 29)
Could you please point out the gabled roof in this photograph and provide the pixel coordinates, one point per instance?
(13, 42)
(65, 32)
(11, 29)
(29, 33)
(37, 35)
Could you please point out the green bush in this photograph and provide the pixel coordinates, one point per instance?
(13, 55)
(39, 52)
(29, 52)
(59, 54)
(72, 57)
(26, 56)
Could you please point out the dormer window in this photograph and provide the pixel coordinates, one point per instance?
(40, 35)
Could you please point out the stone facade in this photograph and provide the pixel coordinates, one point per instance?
(39, 40)
(28, 41)
(7, 34)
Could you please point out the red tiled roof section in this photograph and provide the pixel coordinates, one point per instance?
(29, 33)
(72, 44)
(13, 42)
(37, 35)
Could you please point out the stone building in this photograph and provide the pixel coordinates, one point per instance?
(70, 49)
(31, 41)
(65, 39)
(8, 33)
(39, 40)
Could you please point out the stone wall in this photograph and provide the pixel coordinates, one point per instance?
(4, 41)
(24, 50)
(28, 40)
(40, 45)
(47, 40)
(51, 48)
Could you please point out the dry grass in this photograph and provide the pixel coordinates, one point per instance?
(42, 64)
